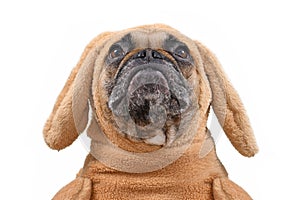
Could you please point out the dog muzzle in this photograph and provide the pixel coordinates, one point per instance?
(150, 98)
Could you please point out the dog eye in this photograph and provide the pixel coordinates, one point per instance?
(182, 52)
(116, 51)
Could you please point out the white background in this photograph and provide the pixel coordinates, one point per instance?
(257, 43)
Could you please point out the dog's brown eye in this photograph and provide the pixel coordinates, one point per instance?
(182, 52)
(116, 51)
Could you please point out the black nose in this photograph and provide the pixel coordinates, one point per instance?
(148, 54)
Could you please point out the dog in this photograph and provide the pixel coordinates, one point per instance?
(143, 97)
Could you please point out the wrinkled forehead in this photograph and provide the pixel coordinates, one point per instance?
(154, 39)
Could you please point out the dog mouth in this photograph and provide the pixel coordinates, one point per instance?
(148, 102)
(148, 91)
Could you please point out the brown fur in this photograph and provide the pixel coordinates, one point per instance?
(191, 176)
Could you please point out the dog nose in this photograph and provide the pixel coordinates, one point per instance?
(148, 54)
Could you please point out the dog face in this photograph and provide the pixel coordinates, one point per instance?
(142, 84)
(147, 81)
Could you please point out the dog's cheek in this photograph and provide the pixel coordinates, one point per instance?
(111, 70)
(194, 81)
(109, 77)
(186, 69)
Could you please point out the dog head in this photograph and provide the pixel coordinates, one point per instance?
(144, 86)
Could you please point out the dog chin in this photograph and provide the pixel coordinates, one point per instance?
(148, 101)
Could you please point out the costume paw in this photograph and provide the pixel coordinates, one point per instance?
(224, 189)
(79, 189)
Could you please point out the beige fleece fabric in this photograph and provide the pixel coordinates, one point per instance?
(194, 175)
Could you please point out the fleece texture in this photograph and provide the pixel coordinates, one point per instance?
(196, 174)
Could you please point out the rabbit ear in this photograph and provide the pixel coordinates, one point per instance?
(65, 123)
(227, 105)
